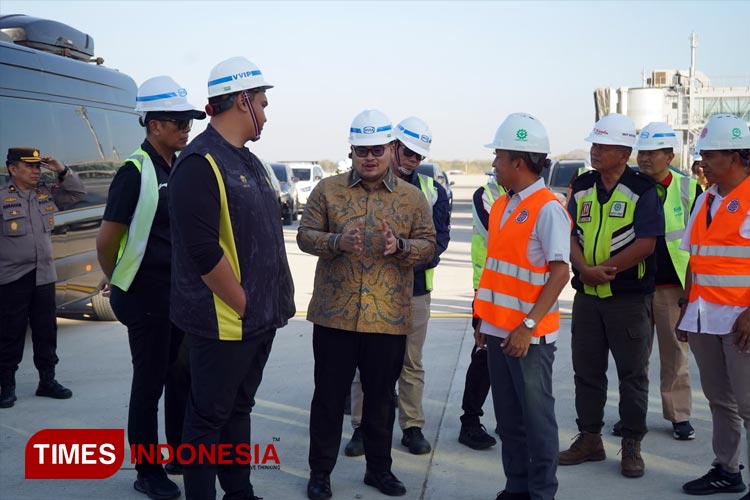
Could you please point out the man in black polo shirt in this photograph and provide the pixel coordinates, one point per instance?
(134, 249)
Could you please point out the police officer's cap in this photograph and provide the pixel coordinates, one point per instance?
(25, 154)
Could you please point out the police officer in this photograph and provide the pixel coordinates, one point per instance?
(618, 217)
(135, 253)
(477, 384)
(231, 283)
(655, 146)
(413, 141)
(526, 269)
(715, 311)
(27, 272)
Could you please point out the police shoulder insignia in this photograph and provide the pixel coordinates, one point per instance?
(42, 196)
(10, 199)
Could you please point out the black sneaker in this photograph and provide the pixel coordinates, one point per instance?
(319, 486)
(157, 486)
(716, 481)
(476, 437)
(415, 441)
(385, 482)
(355, 447)
(683, 431)
(53, 389)
(617, 429)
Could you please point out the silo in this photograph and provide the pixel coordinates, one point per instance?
(646, 105)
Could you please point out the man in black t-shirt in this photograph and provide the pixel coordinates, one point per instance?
(134, 250)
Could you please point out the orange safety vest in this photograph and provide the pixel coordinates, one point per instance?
(510, 285)
(719, 255)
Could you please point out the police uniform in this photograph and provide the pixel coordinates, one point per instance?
(27, 271)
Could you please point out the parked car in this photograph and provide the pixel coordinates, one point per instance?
(275, 184)
(433, 170)
(80, 113)
(308, 175)
(289, 197)
(559, 174)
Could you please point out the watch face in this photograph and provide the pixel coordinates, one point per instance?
(530, 323)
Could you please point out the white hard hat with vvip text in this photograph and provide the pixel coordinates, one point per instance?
(656, 135)
(614, 130)
(234, 75)
(161, 93)
(724, 132)
(521, 132)
(370, 128)
(415, 135)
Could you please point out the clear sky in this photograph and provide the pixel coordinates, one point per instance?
(460, 66)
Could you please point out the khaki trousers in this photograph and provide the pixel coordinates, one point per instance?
(676, 399)
(411, 382)
(725, 373)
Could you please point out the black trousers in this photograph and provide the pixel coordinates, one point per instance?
(22, 302)
(476, 388)
(157, 367)
(338, 353)
(225, 376)
(622, 325)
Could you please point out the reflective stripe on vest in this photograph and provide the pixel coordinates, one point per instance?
(493, 191)
(230, 325)
(511, 284)
(719, 255)
(680, 197)
(133, 243)
(428, 188)
(607, 229)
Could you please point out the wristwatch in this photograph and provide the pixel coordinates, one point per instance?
(62, 173)
(530, 323)
(400, 245)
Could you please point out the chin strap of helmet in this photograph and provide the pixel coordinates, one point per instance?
(249, 105)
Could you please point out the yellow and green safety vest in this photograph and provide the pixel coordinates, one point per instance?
(426, 184)
(479, 232)
(679, 200)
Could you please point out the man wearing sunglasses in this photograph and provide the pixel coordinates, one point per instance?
(413, 140)
(369, 230)
(134, 249)
(27, 271)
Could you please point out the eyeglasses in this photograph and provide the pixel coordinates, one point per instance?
(180, 124)
(409, 153)
(363, 151)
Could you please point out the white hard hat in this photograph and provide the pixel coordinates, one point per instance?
(415, 135)
(724, 132)
(656, 135)
(370, 128)
(162, 93)
(697, 156)
(521, 132)
(234, 75)
(614, 129)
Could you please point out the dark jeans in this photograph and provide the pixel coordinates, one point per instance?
(622, 325)
(476, 388)
(22, 302)
(338, 353)
(225, 376)
(154, 349)
(525, 412)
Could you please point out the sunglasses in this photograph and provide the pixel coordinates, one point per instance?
(409, 153)
(180, 124)
(363, 151)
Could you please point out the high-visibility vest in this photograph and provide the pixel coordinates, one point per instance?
(719, 255)
(133, 243)
(680, 198)
(511, 284)
(479, 233)
(426, 184)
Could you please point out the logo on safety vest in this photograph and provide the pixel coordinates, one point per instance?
(618, 209)
(523, 216)
(733, 206)
(244, 181)
(585, 212)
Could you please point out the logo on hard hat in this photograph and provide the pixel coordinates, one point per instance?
(704, 133)
(426, 139)
(733, 206)
(181, 92)
(368, 130)
(523, 216)
(599, 131)
(736, 133)
(521, 134)
(644, 135)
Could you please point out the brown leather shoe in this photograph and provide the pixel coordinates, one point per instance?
(587, 447)
(631, 464)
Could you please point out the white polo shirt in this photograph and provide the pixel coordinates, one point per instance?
(702, 316)
(550, 242)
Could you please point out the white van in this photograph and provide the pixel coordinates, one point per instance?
(308, 175)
